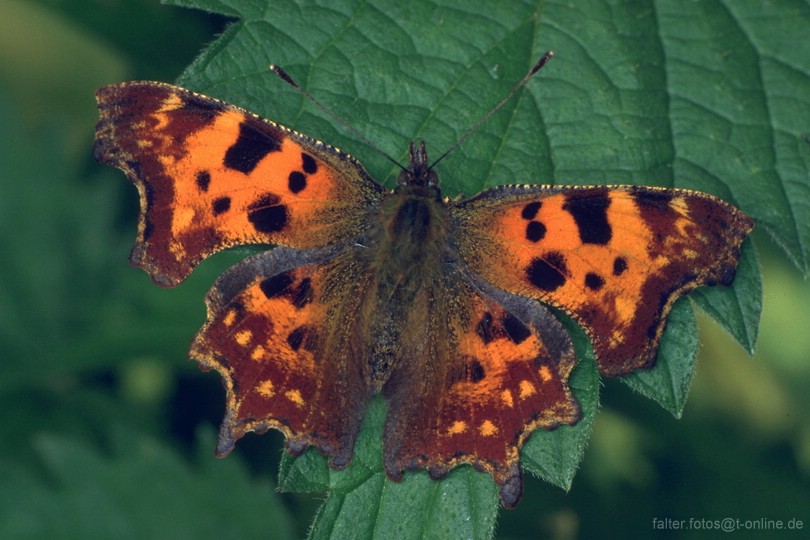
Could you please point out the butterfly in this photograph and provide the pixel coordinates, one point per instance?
(437, 304)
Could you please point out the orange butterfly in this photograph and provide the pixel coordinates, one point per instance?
(431, 302)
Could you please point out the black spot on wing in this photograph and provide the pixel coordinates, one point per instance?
(221, 205)
(589, 210)
(530, 210)
(310, 166)
(203, 179)
(298, 337)
(516, 331)
(594, 281)
(303, 293)
(277, 285)
(548, 273)
(619, 266)
(199, 112)
(297, 181)
(652, 198)
(267, 214)
(475, 371)
(250, 148)
(535, 231)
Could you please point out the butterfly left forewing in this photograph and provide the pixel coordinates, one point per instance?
(615, 258)
(212, 175)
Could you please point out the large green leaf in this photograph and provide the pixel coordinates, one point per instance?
(705, 95)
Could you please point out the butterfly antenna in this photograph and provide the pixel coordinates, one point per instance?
(284, 76)
(540, 63)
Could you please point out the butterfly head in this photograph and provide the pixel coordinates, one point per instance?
(418, 173)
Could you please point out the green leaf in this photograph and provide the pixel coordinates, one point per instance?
(705, 95)
(738, 313)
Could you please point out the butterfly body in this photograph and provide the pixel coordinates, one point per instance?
(431, 302)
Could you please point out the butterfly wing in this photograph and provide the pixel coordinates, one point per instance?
(614, 258)
(489, 368)
(211, 176)
(280, 333)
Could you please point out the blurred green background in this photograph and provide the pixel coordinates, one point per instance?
(106, 430)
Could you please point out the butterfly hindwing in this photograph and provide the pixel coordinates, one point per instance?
(499, 372)
(615, 258)
(212, 175)
(269, 333)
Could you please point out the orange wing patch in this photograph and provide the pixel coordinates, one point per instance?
(614, 258)
(211, 176)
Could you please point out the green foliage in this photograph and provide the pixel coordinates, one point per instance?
(702, 95)
(142, 490)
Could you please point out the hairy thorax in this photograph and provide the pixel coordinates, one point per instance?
(408, 256)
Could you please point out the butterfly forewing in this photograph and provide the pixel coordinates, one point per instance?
(615, 258)
(211, 176)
